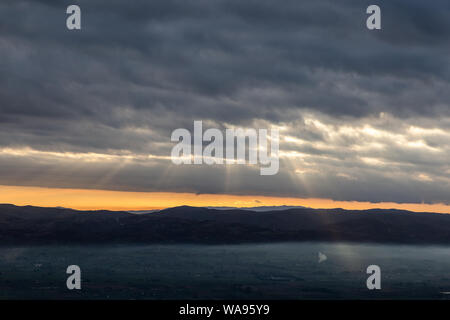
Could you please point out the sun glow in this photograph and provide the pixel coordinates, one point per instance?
(85, 199)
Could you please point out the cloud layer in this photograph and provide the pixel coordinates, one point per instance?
(366, 114)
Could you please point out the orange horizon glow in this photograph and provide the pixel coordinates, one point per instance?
(86, 199)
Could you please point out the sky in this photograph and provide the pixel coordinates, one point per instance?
(364, 115)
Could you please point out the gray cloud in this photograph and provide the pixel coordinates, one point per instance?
(137, 71)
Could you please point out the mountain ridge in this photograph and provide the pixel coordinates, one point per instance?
(185, 224)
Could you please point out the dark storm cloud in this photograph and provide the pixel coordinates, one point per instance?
(182, 52)
(139, 69)
(236, 180)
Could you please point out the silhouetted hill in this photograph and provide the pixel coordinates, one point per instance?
(35, 225)
(258, 209)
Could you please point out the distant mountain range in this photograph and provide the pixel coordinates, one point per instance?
(258, 209)
(36, 225)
